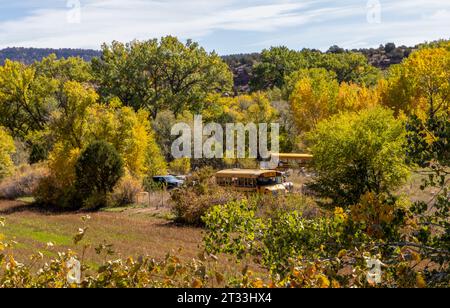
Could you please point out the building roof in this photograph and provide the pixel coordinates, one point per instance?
(252, 173)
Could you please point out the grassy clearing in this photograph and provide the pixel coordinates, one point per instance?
(132, 232)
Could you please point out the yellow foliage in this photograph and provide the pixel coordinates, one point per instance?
(353, 97)
(254, 108)
(420, 85)
(323, 282)
(317, 96)
(61, 163)
(335, 284)
(128, 131)
(197, 283)
(6, 149)
(374, 213)
(313, 99)
(180, 166)
(420, 281)
(258, 284)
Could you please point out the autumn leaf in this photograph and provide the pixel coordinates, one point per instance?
(197, 283)
(258, 284)
(420, 281)
(323, 282)
(335, 284)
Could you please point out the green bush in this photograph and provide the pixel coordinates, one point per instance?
(356, 153)
(98, 170)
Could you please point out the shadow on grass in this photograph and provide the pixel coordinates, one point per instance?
(15, 207)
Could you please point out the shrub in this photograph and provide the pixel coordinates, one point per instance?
(24, 182)
(50, 194)
(190, 207)
(276, 240)
(270, 206)
(126, 191)
(98, 170)
(200, 194)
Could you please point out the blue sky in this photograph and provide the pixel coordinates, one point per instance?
(227, 26)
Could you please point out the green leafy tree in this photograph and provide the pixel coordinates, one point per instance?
(161, 74)
(64, 69)
(30, 95)
(351, 67)
(276, 63)
(356, 153)
(420, 88)
(98, 170)
(26, 99)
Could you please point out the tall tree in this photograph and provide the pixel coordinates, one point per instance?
(421, 84)
(314, 97)
(351, 67)
(25, 98)
(276, 63)
(64, 69)
(29, 94)
(356, 153)
(161, 74)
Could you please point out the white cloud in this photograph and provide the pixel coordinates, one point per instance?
(320, 22)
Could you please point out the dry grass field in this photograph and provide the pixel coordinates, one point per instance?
(132, 232)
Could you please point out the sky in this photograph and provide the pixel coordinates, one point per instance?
(226, 26)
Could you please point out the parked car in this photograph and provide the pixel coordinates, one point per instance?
(168, 181)
(180, 177)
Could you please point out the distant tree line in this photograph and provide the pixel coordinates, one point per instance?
(242, 65)
(30, 55)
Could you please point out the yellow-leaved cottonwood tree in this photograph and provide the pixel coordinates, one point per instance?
(421, 84)
(6, 149)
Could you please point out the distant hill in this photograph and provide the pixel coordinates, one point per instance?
(30, 55)
(387, 55)
(242, 67)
